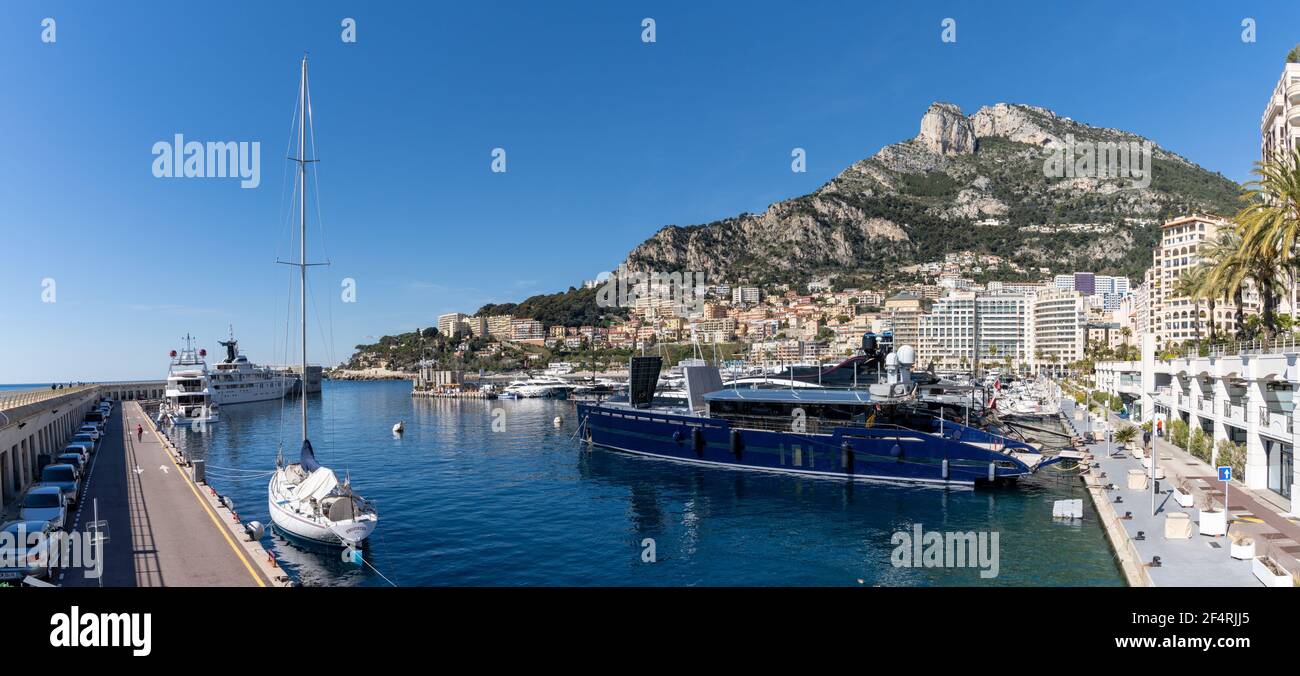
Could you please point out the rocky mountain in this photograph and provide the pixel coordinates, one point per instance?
(985, 182)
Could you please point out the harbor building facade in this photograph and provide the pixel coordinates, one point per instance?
(1240, 393)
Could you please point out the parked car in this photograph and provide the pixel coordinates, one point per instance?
(63, 477)
(92, 429)
(79, 447)
(45, 503)
(35, 560)
(84, 438)
(96, 417)
(75, 460)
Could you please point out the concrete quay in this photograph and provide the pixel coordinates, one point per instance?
(162, 529)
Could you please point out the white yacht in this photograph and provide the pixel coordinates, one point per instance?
(188, 396)
(539, 386)
(306, 498)
(559, 368)
(237, 380)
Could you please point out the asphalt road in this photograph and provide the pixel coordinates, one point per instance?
(161, 532)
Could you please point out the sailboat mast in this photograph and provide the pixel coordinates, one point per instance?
(302, 238)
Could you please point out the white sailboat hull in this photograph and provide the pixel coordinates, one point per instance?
(301, 523)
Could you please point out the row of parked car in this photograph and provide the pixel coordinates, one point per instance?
(48, 505)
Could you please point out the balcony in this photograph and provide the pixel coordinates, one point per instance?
(1293, 92)
(1274, 422)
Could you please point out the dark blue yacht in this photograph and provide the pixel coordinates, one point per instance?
(885, 431)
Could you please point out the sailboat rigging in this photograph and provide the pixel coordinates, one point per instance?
(305, 498)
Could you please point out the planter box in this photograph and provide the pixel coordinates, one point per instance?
(1184, 500)
(1268, 577)
(1212, 523)
(1137, 480)
(1243, 549)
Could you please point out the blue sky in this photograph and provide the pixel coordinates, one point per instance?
(607, 140)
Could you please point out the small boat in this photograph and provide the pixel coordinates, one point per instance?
(306, 499)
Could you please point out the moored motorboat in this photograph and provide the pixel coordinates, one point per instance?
(886, 432)
(187, 397)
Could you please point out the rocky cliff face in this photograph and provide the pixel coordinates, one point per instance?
(963, 183)
(946, 131)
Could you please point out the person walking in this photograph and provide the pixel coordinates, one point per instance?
(139, 432)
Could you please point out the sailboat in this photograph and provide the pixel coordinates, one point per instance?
(306, 498)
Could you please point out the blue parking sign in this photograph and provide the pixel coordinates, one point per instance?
(1225, 473)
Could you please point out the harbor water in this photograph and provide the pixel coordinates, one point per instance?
(494, 493)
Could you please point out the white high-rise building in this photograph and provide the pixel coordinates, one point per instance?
(947, 334)
(1279, 127)
(1059, 329)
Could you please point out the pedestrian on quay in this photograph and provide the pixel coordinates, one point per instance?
(139, 432)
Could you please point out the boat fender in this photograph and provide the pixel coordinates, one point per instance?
(896, 451)
(945, 469)
(737, 444)
(351, 555)
(846, 456)
(697, 439)
(677, 436)
(992, 471)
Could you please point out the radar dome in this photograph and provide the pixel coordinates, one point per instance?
(906, 355)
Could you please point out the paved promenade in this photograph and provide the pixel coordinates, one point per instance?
(1198, 561)
(163, 531)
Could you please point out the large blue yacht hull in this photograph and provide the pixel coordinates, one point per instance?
(849, 453)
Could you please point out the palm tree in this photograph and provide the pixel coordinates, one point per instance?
(1269, 226)
(1189, 286)
(1228, 270)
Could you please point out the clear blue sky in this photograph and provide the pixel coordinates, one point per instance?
(607, 140)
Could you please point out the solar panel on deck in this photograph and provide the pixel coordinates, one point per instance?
(642, 380)
(701, 380)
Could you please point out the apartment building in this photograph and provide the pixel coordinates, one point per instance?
(1058, 329)
(903, 312)
(453, 324)
(745, 295)
(1279, 127)
(952, 331)
(500, 326)
(526, 329)
(1176, 318)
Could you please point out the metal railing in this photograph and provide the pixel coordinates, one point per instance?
(1289, 343)
(25, 397)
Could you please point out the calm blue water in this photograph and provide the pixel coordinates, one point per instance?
(460, 504)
